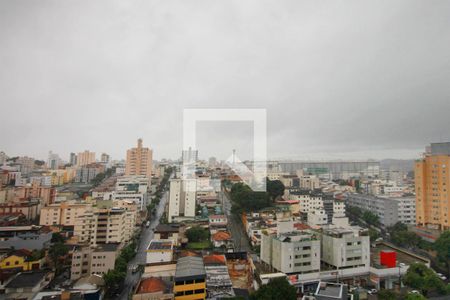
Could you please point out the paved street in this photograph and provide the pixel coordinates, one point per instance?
(146, 235)
(235, 226)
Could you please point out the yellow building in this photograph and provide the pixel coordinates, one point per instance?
(190, 279)
(139, 161)
(432, 182)
(19, 260)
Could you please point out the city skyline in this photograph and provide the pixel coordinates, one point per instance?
(349, 80)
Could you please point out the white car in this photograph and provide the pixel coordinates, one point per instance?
(402, 265)
(415, 292)
(372, 291)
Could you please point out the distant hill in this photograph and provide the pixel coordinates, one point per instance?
(404, 165)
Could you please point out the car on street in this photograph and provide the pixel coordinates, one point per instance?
(372, 291)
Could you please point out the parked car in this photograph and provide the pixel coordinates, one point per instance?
(372, 291)
(441, 276)
(147, 224)
(415, 292)
(135, 268)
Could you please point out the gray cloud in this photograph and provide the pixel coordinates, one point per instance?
(338, 79)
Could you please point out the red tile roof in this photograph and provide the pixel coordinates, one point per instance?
(301, 226)
(221, 236)
(151, 285)
(214, 259)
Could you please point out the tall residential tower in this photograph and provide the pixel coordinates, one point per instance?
(432, 183)
(139, 161)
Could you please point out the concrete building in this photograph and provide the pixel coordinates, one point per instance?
(132, 188)
(53, 161)
(182, 199)
(73, 159)
(432, 182)
(346, 248)
(296, 252)
(105, 158)
(25, 237)
(85, 158)
(159, 251)
(334, 169)
(168, 231)
(190, 279)
(218, 282)
(105, 225)
(390, 210)
(139, 161)
(93, 260)
(63, 214)
(309, 182)
(87, 173)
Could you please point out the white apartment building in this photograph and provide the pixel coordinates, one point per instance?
(308, 200)
(390, 210)
(346, 248)
(63, 213)
(133, 188)
(292, 252)
(102, 226)
(182, 199)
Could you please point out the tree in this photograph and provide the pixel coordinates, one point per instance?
(387, 295)
(373, 234)
(422, 278)
(57, 238)
(113, 280)
(415, 297)
(275, 189)
(276, 289)
(197, 234)
(442, 247)
(370, 218)
(56, 252)
(244, 199)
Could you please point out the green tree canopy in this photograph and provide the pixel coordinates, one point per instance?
(442, 247)
(422, 278)
(275, 189)
(415, 297)
(276, 289)
(244, 199)
(197, 234)
(387, 295)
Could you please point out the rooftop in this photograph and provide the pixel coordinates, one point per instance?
(160, 245)
(106, 247)
(167, 228)
(190, 266)
(151, 285)
(221, 236)
(330, 290)
(26, 279)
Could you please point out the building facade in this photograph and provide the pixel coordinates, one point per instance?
(139, 161)
(432, 182)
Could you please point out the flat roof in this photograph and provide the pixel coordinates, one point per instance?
(160, 245)
(333, 290)
(26, 279)
(190, 267)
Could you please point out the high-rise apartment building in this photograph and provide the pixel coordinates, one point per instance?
(73, 159)
(53, 161)
(104, 158)
(85, 158)
(139, 161)
(182, 198)
(103, 226)
(432, 183)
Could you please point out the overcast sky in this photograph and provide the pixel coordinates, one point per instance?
(339, 79)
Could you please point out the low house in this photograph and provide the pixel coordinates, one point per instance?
(168, 232)
(21, 260)
(154, 288)
(222, 239)
(27, 284)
